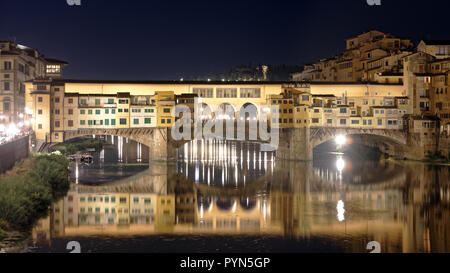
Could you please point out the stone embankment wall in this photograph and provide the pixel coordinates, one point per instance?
(12, 152)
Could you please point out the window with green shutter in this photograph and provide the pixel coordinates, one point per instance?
(106, 111)
(148, 120)
(110, 101)
(136, 121)
(83, 102)
(113, 111)
(90, 112)
(82, 112)
(106, 122)
(82, 122)
(113, 122)
(97, 102)
(97, 112)
(166, 110)
(89, 122)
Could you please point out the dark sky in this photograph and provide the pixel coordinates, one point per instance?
(144, 39)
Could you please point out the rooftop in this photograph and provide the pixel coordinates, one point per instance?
(56, 61)
(437, 42)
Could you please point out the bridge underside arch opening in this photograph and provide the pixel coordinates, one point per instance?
(110, 147)
(361, 144)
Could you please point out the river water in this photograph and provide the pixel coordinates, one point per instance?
(231, 197)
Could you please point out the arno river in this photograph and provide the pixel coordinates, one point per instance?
(230, 197)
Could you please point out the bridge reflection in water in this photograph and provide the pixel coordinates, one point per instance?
(237, 191)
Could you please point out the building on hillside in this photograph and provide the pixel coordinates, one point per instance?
(439, 49)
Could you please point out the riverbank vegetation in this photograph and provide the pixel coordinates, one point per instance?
(74, 147)
(29, 189)
(437, 157)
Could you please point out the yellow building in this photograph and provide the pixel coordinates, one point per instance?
(165, 104)
(165, 211)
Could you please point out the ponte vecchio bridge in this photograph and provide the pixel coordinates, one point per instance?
(309, 114)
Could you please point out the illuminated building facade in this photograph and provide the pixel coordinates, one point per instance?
(18, 64)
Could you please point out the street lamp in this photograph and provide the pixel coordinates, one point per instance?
(341, 140)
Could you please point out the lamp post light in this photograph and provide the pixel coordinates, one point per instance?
(341, 140)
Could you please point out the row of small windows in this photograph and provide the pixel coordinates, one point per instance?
(227, 92)
(122, 121)
(284, 111)
(341, 121)
(112, 199)
(107, 210)
(282, 101)
(113, 111)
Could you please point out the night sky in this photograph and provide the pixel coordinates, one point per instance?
(137, 39)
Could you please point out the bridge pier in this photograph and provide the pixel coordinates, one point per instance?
(295, 145)
(161, 146)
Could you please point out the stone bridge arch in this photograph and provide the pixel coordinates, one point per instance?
(298, 143)
(321, 135)
(158, 140)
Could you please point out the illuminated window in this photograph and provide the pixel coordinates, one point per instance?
(53, 69)
(204, 92)
(250, 92)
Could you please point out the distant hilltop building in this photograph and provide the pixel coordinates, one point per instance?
(18, 64)
(365, 56)
(376, 57)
